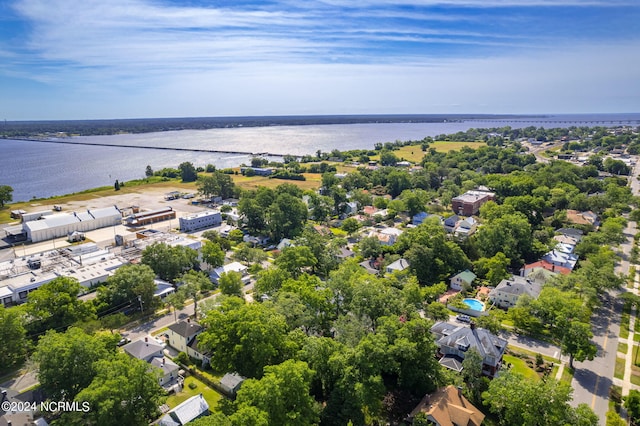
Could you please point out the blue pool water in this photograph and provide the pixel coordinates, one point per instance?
(474, 304)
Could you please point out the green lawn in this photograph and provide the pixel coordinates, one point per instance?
(618, 373)
(210, 395)
(623, 347)
(520, 366)
(567, 375)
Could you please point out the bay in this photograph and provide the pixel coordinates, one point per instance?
(39, 170)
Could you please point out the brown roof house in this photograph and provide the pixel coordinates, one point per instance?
(448, 407)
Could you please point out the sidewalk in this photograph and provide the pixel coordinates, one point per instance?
(626, 381)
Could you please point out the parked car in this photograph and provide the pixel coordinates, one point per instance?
(124, 341)
(463, 318)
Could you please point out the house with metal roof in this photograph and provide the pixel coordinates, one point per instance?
(185, 412)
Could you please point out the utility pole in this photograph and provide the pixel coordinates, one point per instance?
(140, 300)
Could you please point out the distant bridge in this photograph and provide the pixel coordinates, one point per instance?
(207, 151)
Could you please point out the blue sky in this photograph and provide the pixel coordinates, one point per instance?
(88, 59)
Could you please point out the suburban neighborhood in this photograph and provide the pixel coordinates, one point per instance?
(412, 284)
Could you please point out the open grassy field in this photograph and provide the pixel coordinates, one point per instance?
(314, 181)
(414, 153)
(211, 396)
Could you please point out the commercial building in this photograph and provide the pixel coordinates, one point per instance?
(200, 220)
(153, 216)
(52, 226)
(470, 202)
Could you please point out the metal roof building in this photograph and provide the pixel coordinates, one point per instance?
(61, 225)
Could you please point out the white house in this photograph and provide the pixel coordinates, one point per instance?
(398, 265)
(168, 370)
(462, 278)
(186, 411)
(214, 276)
(182, 333)
(507, 293)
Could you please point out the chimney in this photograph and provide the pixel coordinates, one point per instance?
(146, 340)
(459, 391)
(472, 325)
(189, 320)
(163, 360)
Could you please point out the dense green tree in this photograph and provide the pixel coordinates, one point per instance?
(388, 158)
(294, 259)
(193, 284)
(254, 214)
(246, 254)
(213, 254)
(130, 284)
(67, 361)
(286, 216)
(55, 305)
(176, 301)
(398, 181)
(614, 419)
(283, 394)
(218, 184)
(215, 237)
(270, 280)
(13, 337)
(188, 172)
(370, 247)
(472, 374)
(245, 337)
(437, 311)
(519, 401)
(124, 391)
(576, 342)
(169, 262)
(230, 284)
(373, 299)
(493, 269)
(632, 405)
(350, 225)
(6, 195)
(509, 233)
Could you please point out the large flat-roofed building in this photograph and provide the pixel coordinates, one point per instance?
(470, 202)
(60, 225)
(200, 220)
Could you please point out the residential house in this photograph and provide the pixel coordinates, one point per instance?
(163, 289)
(345, 253)
(197, 351)
(186, 411)
(398, 265)
(403, 164)
(144, 349)
(168, 370)
(182, 333)
(571, 232)
(470, 202)
(256, 240)
(350, 208)
(448, 407)
(465, 277)
(507, 293)
(588, 218)
(284, 243)
(466, 227)
(567, 239)
(214, 276)
(528, 268)
(419, 218)
(454, 341)
(230, 384)
(558, 258)
(451, 222)
(386, 236)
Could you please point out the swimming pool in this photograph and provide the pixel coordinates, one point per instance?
(474, 304)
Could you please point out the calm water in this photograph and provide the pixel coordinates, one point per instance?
(36, 169)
